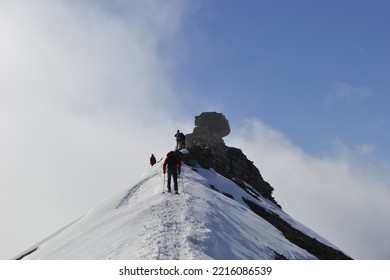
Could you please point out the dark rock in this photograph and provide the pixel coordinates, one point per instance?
(312, 245)
(212, 123)
(208, 149)
(210, 128)
(26, 254)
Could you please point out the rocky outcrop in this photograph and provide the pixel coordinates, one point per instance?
(208, 149)
(210, 128)
(212, 123)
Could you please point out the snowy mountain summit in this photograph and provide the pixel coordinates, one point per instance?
(225, 210)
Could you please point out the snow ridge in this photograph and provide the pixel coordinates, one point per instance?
(203, 222)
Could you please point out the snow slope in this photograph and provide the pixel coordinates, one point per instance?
(200, 223)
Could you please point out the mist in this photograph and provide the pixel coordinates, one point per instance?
(86, 96)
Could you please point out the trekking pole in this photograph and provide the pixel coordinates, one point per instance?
(164, 183)
(182, 179)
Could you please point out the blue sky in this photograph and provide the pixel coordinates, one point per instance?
(316, 70)
(89, 89)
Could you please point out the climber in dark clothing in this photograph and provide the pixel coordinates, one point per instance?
(152, 160)
(173, 162)
(180, 140)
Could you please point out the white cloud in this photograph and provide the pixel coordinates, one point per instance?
(343, 196)
(348, 93)
(85, 92)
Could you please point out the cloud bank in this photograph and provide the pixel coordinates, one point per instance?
(85, 92)
(343, 196)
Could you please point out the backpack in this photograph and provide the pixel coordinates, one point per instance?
(182, 137)
(172, 162)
